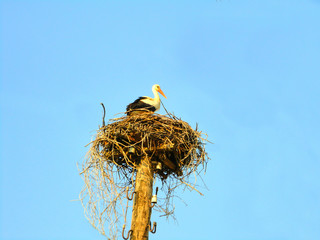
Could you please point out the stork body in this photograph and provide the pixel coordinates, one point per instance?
(146, 104)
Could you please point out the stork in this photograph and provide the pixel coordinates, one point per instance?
(145, 104)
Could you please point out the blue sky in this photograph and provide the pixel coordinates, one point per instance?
(246, 71)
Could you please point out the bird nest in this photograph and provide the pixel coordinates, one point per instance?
(177, 154)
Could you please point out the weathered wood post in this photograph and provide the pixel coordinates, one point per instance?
(141, 212)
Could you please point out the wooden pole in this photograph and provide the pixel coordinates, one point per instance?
(142, 201)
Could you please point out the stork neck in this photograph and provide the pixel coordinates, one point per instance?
(156, 95)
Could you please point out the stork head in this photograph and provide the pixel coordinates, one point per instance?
(157, 88)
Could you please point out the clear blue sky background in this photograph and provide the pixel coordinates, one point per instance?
(247, 71)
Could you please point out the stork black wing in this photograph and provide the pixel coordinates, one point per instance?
(138, 104)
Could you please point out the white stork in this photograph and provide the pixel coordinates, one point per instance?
(143, 104)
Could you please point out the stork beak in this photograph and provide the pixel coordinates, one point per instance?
(160, 91)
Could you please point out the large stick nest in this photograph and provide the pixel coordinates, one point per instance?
(177, 151)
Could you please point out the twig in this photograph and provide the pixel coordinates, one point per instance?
(104, 115)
